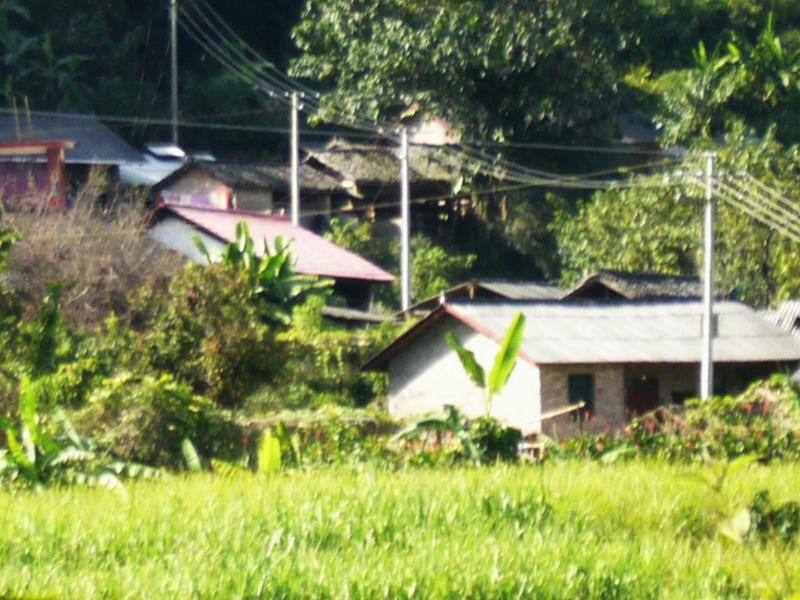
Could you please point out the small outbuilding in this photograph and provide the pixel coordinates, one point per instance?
(620, 358)
(254, 187)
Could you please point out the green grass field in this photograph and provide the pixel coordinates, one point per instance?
(563, 531)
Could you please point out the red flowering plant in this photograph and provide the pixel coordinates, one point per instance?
(764, 420)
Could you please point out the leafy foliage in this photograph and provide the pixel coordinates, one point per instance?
(658, 228)
(268, 277)
(492, 68)
(47, 453)
(504, 361)
(206, 330)
(321, 364)
(147, 420)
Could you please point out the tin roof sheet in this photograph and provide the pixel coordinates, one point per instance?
(626, 332)
(313, 254)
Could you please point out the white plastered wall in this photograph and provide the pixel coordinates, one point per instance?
(427, 374)
(178, 235)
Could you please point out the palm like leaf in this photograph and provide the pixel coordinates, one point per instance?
(506, 358)
(467, 358)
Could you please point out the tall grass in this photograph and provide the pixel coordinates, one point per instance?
(563, 531)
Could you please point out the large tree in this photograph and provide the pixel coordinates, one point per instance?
(658, 227)
(743, 100)
(494, 68)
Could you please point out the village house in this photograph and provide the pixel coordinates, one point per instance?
(86, 144)
(253, 187)
(371, 172)
(605, 284)
(619, 358)
(177, 225)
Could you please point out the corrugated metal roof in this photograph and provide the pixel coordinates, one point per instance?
(313, 255)
(522, 290)
(631, 333)
(786, 316)
(94, 142)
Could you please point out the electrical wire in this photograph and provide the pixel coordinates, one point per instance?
(773, 192)
(187, 124)
(756, 210)
(254, 53)
(491, 166)
(568, 148)
(778, 209)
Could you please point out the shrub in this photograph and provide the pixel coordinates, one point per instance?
(204, 330)
(99, 254)
(321, 364)
(333, 435)
(495, 441)
(43, 448)
(145, 419)
(764, 421)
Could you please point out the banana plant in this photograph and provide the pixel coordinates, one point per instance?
(504, 361)
(35, 457)
(270, 276)
(450, 422)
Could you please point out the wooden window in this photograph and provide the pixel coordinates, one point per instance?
(580, 387)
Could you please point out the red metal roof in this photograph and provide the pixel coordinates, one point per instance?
(313, 254)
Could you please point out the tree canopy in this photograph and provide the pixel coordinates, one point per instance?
(708, 74)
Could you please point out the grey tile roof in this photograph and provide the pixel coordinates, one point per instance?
(638, 286)
(94, 142)
(262, 176)
(558, 333)
(378, 164)
(504, 289)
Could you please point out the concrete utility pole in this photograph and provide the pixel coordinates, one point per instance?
(707, 362)
(294, 144)
(173, 17)
(405, 225)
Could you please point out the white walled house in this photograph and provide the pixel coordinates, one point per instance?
(176, 226)
(621, 359)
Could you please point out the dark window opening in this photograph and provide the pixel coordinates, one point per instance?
(680, 398)
(581, 389)
(642, 395)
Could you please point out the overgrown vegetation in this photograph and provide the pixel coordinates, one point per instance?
(98, 251)
(763, 421)
(189, 358)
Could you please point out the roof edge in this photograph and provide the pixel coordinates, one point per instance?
(440, 312)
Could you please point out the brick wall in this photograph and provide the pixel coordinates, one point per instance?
(609, 398)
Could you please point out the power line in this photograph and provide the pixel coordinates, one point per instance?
(235, 61)
(780, 210)
(247, 47)
(190, 124)
(571, 148)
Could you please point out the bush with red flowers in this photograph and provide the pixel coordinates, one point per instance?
(764, 420)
